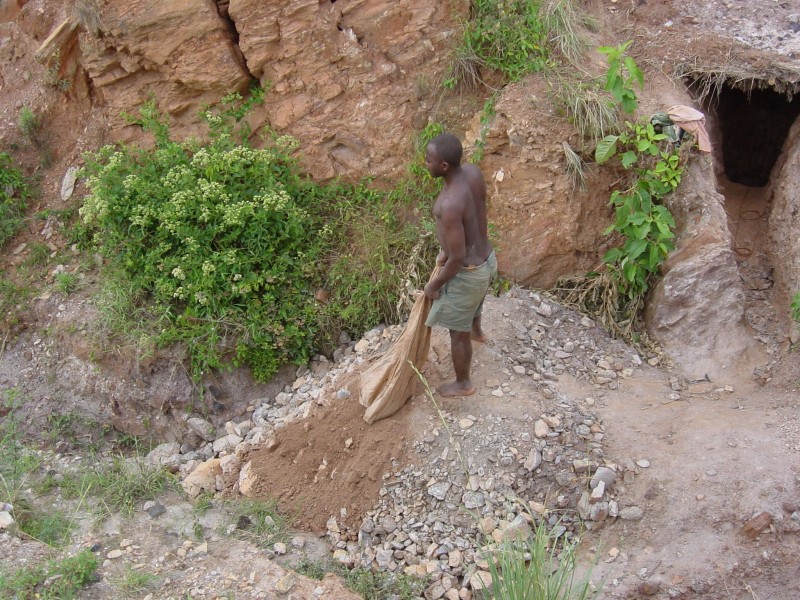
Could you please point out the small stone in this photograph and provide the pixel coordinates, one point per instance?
(202, 428)
(492, 383)
(68, 183)
(361, 346)
(653, 362)
(518, 370)
(6, 520)
(481, 580)
(473, 500)
(586, 322)
(534, 460)
(757, 524)
(700, 496)
(342, 556)
(466, 423)
(648, 588)
(544, 310)
(498, 393)
(597, 492)
(285, 584)
(115, 554)
(643, 463)
(439, 490)
(279, 548)
(631, 513)
(614, 552)
(604, 474)
(540, 429)
(388, 524)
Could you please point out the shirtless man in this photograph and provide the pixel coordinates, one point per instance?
(467, 259)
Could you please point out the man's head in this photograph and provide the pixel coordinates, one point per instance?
(443, 154)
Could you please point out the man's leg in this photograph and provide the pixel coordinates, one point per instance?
(461, 352)
(477, 332)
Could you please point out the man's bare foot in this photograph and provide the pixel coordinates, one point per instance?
(479, 336)
(455, 389)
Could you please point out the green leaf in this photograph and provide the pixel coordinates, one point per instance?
(654, 258)
(641, 231)
(634, 71)
(612, 255)
(636, 248)
(629, 104)
(606, 148)
(629, 158)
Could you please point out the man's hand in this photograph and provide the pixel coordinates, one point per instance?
(430, 292)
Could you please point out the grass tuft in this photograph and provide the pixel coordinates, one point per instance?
(563, 21)
(535, 569)
(55, 580)
(589, 108)
(576, 167)
(258, 521)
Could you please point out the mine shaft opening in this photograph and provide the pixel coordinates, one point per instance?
(750, 135)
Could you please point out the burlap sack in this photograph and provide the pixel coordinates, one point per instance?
(387, 384)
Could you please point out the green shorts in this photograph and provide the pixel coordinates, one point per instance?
(461, 299)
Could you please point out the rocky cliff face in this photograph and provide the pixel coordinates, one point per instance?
(344, 77)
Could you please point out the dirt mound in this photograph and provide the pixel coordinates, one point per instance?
(331, 463)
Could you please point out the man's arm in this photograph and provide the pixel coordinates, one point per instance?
(453, 245)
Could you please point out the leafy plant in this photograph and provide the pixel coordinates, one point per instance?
(795, 307)
(51, 77)
(13, 198)
(645, 225)
(66, 283)
(509, 36)
(214, 237)
(486, 116)
(29, 124)
(622, 75)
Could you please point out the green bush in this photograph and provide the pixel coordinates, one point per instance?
(795, 307)
(13, 196)
(213, 234)
(509, 36)
(232, 246)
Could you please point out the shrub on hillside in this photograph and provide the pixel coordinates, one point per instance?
(230, 243)
(13, 195)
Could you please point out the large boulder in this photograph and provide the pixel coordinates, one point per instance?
(697, 309)
(784, 223)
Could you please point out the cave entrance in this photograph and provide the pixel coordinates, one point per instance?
(750, 123)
